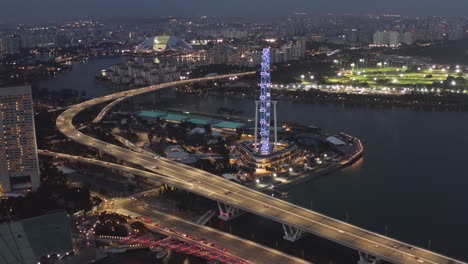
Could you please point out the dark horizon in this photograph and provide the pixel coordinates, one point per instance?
(29, 11)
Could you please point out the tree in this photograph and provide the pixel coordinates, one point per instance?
(207, 128)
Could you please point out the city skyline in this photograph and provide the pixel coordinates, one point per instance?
(328, 130)
(51, 10)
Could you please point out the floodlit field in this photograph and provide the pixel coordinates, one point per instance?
(393, 76)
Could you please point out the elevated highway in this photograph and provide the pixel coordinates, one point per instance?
(248, 250)
(232, 197)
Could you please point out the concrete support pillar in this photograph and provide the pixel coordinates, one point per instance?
(276, 125)
(364, 258)
(293, 234)
(256, 125)
(228, 212)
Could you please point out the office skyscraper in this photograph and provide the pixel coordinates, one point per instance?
(19, 169)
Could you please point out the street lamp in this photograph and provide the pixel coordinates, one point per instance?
(361, 60)
(312, 77)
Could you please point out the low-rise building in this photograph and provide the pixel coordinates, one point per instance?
(29, 240)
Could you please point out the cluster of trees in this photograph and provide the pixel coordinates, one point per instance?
(446, 52)
(53, 194)
(452, 82)
(111, 224)
(179, 132)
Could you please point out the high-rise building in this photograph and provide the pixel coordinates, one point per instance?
(389, 38)
(19, 169)
(354, 38)
(11, 43)
(408, 38)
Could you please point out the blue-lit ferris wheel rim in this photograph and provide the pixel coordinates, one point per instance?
(265, 103)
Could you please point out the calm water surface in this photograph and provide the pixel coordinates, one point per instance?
(411, 184)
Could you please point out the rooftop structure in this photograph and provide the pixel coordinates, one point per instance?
(164, 43)
(335, 141)
(27, 240)
(199, 121)
(174, 118)
(227, 126)
(177, 153)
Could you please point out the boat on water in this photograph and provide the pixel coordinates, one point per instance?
(162, 254)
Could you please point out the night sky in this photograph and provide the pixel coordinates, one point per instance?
(33, 10)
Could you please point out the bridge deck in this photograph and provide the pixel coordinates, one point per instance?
(214, 187)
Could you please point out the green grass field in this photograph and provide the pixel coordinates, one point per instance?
(393, 76)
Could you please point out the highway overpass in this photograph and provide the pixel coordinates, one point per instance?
(233, 198)
(248, 250)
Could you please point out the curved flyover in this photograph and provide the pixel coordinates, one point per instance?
(223, 191)
(250, 251)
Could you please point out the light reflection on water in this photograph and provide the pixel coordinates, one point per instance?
(413, 168)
